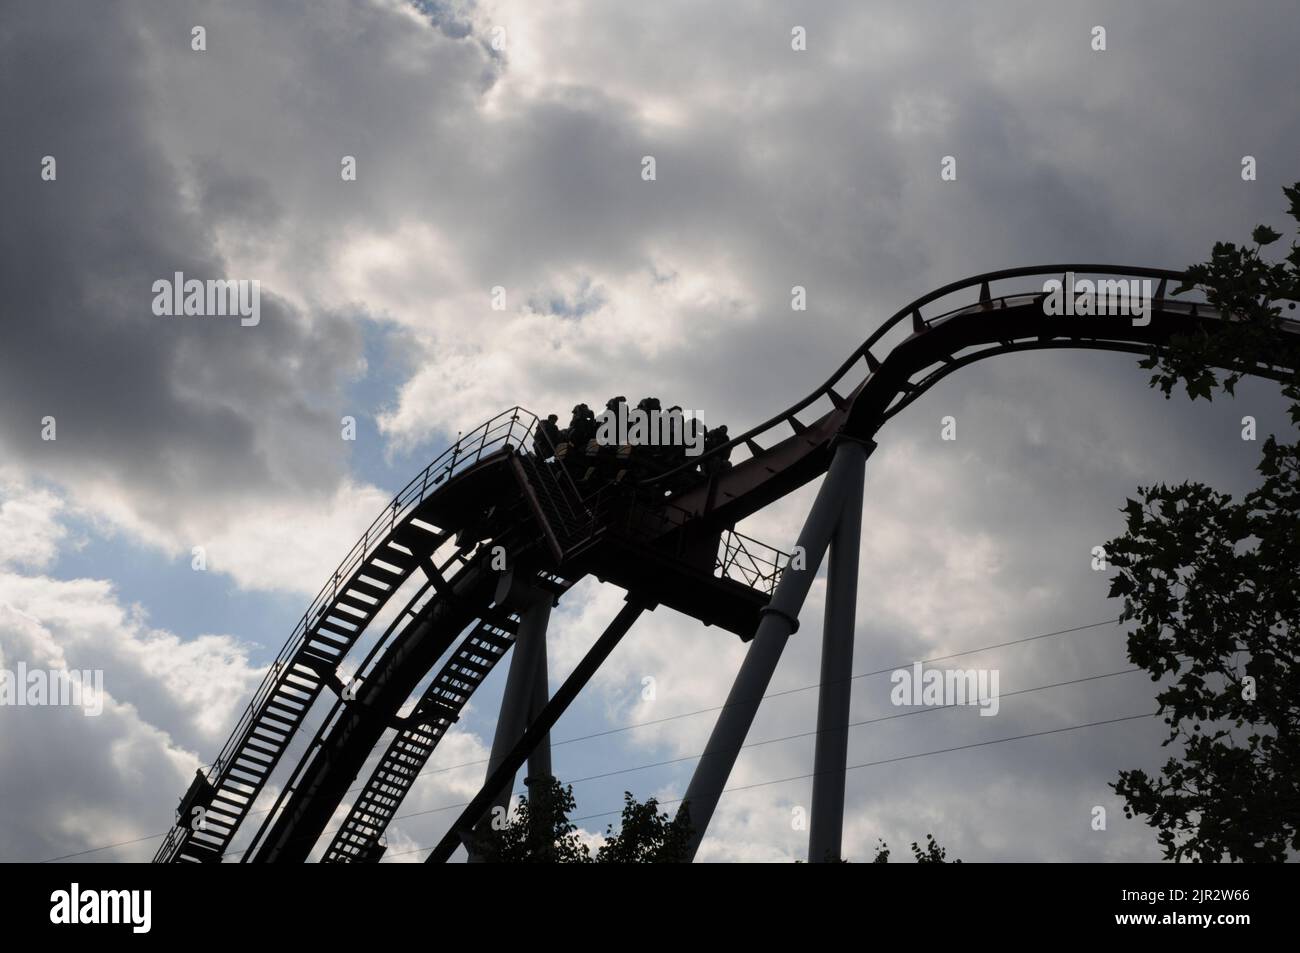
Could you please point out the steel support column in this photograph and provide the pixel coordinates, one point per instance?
(521, 682)
(780, 618)
(517, 699)
(825, 831)
(539, 762)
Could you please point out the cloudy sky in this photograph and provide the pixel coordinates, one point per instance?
(520, 167)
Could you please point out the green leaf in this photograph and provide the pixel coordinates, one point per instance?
(1293, 193)
(1263, 235)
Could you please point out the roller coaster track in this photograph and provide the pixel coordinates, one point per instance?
(487, 494)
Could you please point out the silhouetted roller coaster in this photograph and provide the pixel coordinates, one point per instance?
(425, 590)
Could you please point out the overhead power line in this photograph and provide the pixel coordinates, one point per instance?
(428, 772)
(855, 767)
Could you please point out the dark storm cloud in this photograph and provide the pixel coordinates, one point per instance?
(167, 406)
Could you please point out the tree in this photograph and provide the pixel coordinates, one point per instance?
(539, 831)
(1211, 585)
(646, 836)
(932, 853)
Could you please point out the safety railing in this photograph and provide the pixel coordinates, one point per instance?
(739, 558)
(1169, 282)
(746, 560)
(511, 428)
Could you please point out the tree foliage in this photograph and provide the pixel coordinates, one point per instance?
(1211, 584)
(645, 836)
(931, 853)
(1239, 281)
(539, 831)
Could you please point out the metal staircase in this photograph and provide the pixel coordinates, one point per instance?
(378, 564)
(440, 707)
(358, 840)
(565, 519)
(291, 686)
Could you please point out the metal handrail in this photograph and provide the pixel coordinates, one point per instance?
(512, 427)
(760, 573)
(914, 310)
(735, 549)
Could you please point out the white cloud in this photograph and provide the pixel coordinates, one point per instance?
(73, 782)
(30, 530)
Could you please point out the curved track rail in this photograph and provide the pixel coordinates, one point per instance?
(487, 488)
